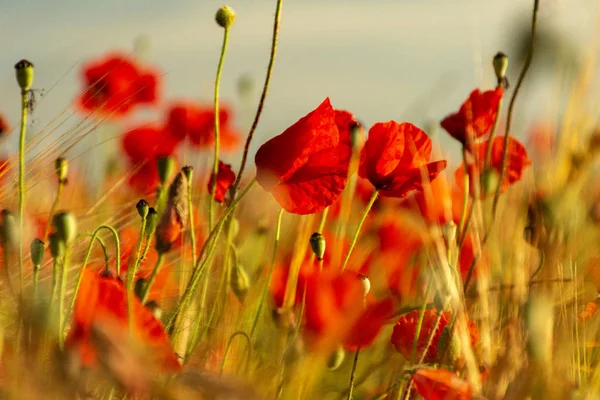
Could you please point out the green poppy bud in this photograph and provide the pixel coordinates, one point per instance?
(188, 171)
(143, 208)
(317, 243)
(37, 252)
(489, 181)
(24, 73)
(65, 225)
(151, 221)
(62, 168)
(357, 136)
(500, 64)
(336, 358)
(225, 17)
(57, 245)
(9, 230)
(139, 287)
(166, 167)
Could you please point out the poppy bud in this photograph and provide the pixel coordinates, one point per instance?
(357, 136)
(366, 282)
(188, 171)
(151, 220)
(62, 168)
(153, 306)
(500, 64)
(24, 73)
(139, 288)
(8, 229)
(240, 282)
(317, 243)
(336, 358)
(37, 252)
(173, 219)
(489, 181)
(65, 225)
(225, 17)
(57, 245)
(166, 166)
(449, 347)
(143, 208)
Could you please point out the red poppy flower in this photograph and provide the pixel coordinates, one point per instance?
(516, 163)
(114, 85)
(336, 313)
(475, 117)
(441, 384)
(143, 146)
(406, 329)
(306, 167)
(197, 122)
(395, 159)
(4, 127)
(225, 178)
(103, 300)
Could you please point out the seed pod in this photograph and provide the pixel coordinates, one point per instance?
(24, 74)
(225, 17)
(65, 225)
(57, 245)
(62, 169)
(9, 231)
(318, 244)
(37, 252)
(336, 358)
(143, 208)
(173, 220)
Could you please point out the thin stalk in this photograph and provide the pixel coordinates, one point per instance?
(465, 206)
(61, 297)
(132, 271)
(22, 184)
(488, 150)
(217, 127)
(230, 342)
(263, 96)
(263, 295)
(155, 271)
(353, 374)
(53, 209)
(413, 355)
(192, 226)
(358, 228)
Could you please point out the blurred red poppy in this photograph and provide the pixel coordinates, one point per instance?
(306, 167)
(196, 121)
(4, 127)
(395, 159)
(225, 178)
(517, 161)
(114, 85)
(475, 117)
(438, 203)
(406, 329)
(336, 312)
(441, 384)
(143, 146)
(102, 300)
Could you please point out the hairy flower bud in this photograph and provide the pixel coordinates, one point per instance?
(151, 222)
(37, 252)
(9, 230)
(62, 168)
(225, 17)
(57, 245)
(143, 208)
(318, 244)
(166, 166)
(65, 225)
(24, 73)
(173, 220)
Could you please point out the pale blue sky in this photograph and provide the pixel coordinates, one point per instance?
(376, 58)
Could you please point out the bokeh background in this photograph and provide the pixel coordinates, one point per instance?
(410, 60)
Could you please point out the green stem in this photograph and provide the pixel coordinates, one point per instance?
(61, 297)
(263, 96)
(358, 228)
(353, 374)
(217, 127)
(265, 290)
(488, 150)
(36, 274)
(413, 355)
(192, 226)
(132, 271)
(22, 183)
(53, 209)
(230, 342)
(465, 205)
(155, 271)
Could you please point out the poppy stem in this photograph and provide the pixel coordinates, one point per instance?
(360, 224)
(22, 183)
(217, 127)
(536, 4)
(191, 212)
(263, 97)
(53, 209)
(263, 295)
(413, 355)
(353, 374)
(61, 297)
(465, 206)
(132, 271)
(488, 150)
(155, 271)
(230, 342)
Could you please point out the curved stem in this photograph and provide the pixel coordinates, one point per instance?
(217, 127)
(360, 224)
(22, 183)
(230, 342)
(53, 210)
(353, 374)
(155, 271)
(263, 96)
(265, 290)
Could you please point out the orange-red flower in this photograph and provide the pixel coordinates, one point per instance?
(4, 127)
(225, 178)
(336, 312)
(406, 329)
(441, 384)
(102, 301)
(395, 159)
(517, 161)
(475, 117)
(114, 85)
(143, 146)
(306, 167)
(438, 202)
(197, 122)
